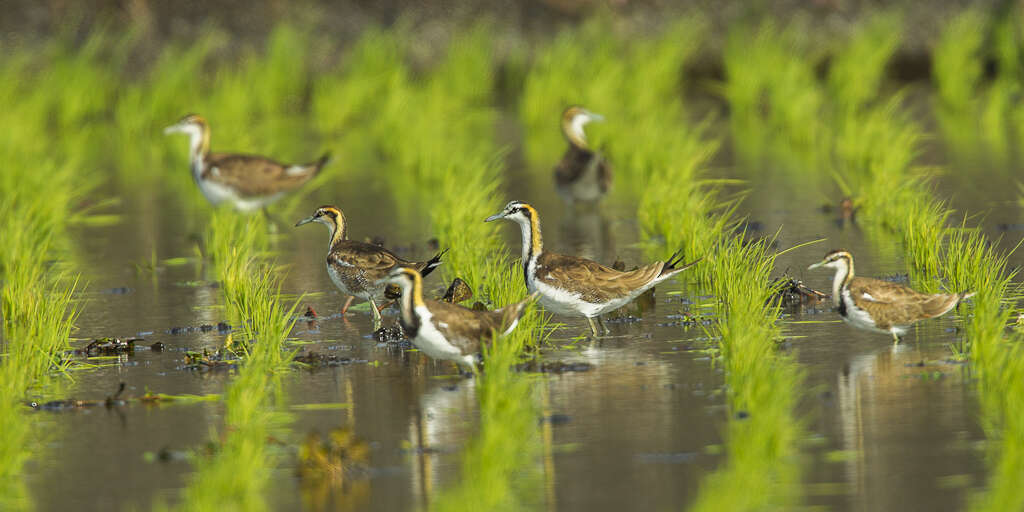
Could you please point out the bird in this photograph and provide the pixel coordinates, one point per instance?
(881, 306)
(447, 331)
(357, 268)
(574, 286)
(582, 174)
(248, 182)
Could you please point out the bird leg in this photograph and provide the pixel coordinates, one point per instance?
(593, 327)
(600, 322)
(272, 222)
(344, 309)
(895, 338)
(377, 320)
(385, 305)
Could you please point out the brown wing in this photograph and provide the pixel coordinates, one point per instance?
(464, 327)
(255, 176)
(894, 304)
(591, 280)
(373, 260)
(574, 163)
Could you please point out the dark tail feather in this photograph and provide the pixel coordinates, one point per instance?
(321, 162)
(514, 312)
(432, 263)
(674, 261)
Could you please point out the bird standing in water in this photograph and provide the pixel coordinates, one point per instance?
(357, 268)
(248, 182)
(881, 306)
(570, 285)
(583, 174)
(449, 331)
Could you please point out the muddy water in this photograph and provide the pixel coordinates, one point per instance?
(888, 428)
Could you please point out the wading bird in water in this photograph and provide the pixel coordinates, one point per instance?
(881, 306)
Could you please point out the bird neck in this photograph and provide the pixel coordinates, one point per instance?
(572, 128)
(412, 295)
(199, 142)
(533, 243)
(844, 274)
(339, 230)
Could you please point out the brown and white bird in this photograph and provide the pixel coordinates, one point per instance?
(449, 331)
(583, 174)
(881, 306)
(570, 285)
(357, 268)
(248, 182)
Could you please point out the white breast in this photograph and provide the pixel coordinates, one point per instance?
(430, 340)
(858, 317)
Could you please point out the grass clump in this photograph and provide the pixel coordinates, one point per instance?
(237, 476)
(774, 99)
(979, 117)
(39, 189)
(762, 469)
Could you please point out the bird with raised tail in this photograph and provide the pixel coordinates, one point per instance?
(582, 174)
(248, 182)
(449, 331)
(881, 306)
(357, 268)
(569, 285)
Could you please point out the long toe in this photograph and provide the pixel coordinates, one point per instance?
(348, 303)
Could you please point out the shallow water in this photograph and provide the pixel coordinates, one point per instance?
(887, 427)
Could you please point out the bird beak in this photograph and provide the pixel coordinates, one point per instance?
(595, 117)
(307, 220)
(816, 265)
(496, 216)
(174, 128)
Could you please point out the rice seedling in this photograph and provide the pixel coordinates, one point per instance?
(774, 98)
(857, 70)
(977, 119)
(957, 61)
(237, 475)
(38, 191)
(762, 469)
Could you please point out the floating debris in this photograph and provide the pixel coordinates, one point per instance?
(115, 400)
(206, 361)
(554, 367)
(108, 347)
(457, 292)
(687, 319)
(310, 312)
(221, 328)
(793, 293)
(318, 360)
